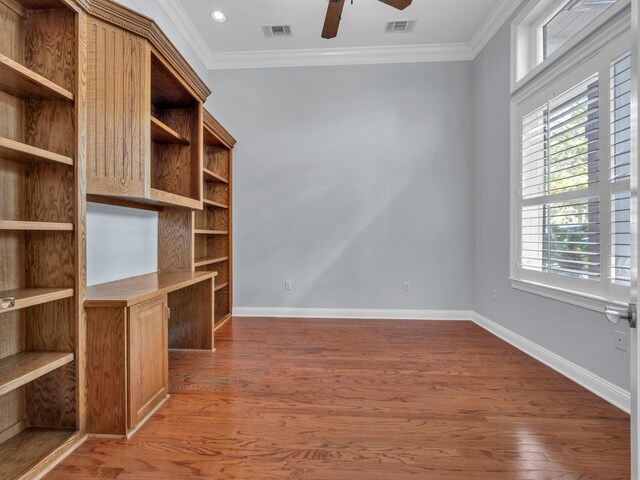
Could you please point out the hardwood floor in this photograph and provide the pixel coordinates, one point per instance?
(364, 400)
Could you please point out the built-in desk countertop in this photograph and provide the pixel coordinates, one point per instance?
(134, 290)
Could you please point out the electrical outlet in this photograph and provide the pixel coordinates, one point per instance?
(620, 340)
(494, 295)
(287, 284)
(407, 286)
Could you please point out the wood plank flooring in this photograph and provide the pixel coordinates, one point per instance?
(364, 400)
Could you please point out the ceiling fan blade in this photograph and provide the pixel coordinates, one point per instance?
(399, 4)
(332, 20)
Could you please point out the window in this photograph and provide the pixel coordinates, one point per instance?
(571, 177)
(546, 27)
(573, 17)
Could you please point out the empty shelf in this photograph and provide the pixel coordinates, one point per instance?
(210, 176)
(26, 225)
(202, 261)
(214, 204)
(160, 197)
(31, 450)
(18, 81)
(211, 232)
(221, 286)
(28, 297)
(13, 150)
(161, 133)
(21, 368)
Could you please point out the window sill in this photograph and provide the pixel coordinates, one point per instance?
(590, 302)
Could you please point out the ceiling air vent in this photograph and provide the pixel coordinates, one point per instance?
(400, 26)
(276, 30)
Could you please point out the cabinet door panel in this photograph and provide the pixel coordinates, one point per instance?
(148, 357)
(118, 109)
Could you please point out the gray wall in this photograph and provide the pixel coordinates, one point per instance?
(577, 334)
(121, 242)
(350, 181)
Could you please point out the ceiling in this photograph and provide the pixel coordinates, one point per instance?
(441, 31)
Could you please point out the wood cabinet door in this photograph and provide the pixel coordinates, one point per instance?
(148, 357)
(118, 109)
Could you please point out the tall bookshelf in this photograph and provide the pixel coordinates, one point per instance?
(41, 232)
(213, 225)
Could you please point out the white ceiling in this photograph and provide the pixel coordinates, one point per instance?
(445, 27)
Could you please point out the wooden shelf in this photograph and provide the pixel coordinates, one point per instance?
(12, 150)
(134, 290)
(172, 200)
(210, 176)
(28, 297)
(21, 368)
(25, 225)
(201, 262)
(221, 286)
(162, 133)
(26, 454)
(211, 232)
(214, 204)
(220, 318)
(18, 81)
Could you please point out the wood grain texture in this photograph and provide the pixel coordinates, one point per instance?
(347, 399)
(24, 367)
(27, 453)
(175, 167)
(133, 290)
(162, 133)
(12, 150)
(117, 114)
(216, 160)
(19, 81)
(167, 89)
(214, 133)
(191, 321)
(27, 297)
(175, 241)
(106, 360)
(50, 47)
(172, 200)
(147, 358)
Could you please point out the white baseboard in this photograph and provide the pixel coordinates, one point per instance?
(604, 389)
(352, 313)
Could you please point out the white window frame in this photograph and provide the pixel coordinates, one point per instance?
(527, 51)
(572, 63)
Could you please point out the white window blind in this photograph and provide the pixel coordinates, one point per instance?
(560, 172)
(620, 169)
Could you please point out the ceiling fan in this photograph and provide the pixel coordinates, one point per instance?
(334, 14)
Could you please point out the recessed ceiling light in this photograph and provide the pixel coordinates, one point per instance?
(218, 16)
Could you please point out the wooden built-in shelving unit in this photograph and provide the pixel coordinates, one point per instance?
(41, 234)
(149, 146)
(212, 226)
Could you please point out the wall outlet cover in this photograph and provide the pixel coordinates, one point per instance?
(620, 341)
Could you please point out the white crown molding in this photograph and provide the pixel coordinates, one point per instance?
(352, 313)
(606, 390)
(490, 26)
(340, 56)
(452, 52)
